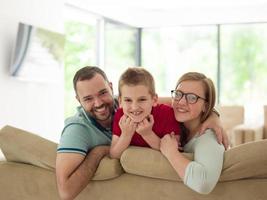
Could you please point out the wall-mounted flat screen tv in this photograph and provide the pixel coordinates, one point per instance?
(38, 54)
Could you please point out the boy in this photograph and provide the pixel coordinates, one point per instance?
(140, 121)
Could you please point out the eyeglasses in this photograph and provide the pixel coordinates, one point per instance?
(191, 98)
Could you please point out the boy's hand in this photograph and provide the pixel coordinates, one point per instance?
(128, 127)
(145, 127)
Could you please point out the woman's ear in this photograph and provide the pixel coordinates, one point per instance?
(204, 108)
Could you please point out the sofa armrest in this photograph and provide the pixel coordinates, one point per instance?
(24, 147)
(21, 146)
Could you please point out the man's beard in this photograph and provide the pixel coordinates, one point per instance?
(98, 117)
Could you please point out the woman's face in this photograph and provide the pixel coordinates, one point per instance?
(185, 111)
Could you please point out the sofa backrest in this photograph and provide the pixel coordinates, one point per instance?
(245, 161)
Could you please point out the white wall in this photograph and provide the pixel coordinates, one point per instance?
(36, 107)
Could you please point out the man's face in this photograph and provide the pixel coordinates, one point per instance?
(95, 96)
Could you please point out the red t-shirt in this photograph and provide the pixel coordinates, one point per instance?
(164, 123)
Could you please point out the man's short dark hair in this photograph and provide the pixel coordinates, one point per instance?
(87, 73)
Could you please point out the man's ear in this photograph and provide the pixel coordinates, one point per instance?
(78, 99)
(155, 99)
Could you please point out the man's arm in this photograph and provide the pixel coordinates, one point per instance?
(213, 122)
(74, 171)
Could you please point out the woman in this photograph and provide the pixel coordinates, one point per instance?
(193, 100)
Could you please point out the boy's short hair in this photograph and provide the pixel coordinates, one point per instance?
(137, 76)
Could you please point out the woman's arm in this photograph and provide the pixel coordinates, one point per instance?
(203, 173)
(168, 147)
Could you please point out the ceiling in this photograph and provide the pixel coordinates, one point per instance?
(157, 13)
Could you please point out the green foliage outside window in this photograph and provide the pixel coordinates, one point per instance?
(170, 52)
(120, 51)
(244, 63)
(80, 51)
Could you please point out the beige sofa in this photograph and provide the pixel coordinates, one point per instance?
(141, 174)
(232, 117)
(243, 133)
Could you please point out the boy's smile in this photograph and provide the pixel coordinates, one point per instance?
(136, 102)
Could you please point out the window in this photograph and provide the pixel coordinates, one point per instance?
(244, 67)
(170, 52)
(120, 51)
(80, 51)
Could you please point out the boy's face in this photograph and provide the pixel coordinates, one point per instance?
(136, 102)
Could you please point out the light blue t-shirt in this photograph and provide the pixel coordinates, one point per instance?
(202, 174)
(82, 133)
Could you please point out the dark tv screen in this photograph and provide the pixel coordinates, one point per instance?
(38, 54)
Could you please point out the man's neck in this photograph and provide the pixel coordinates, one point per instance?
(106, 123)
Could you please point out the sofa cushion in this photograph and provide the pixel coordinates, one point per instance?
(108, 168)
(148, 162)
(21, 146)
(244, 161)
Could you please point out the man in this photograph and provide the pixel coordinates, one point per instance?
(86, 136)
(90, 127)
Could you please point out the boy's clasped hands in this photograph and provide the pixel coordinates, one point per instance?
(129, 127)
